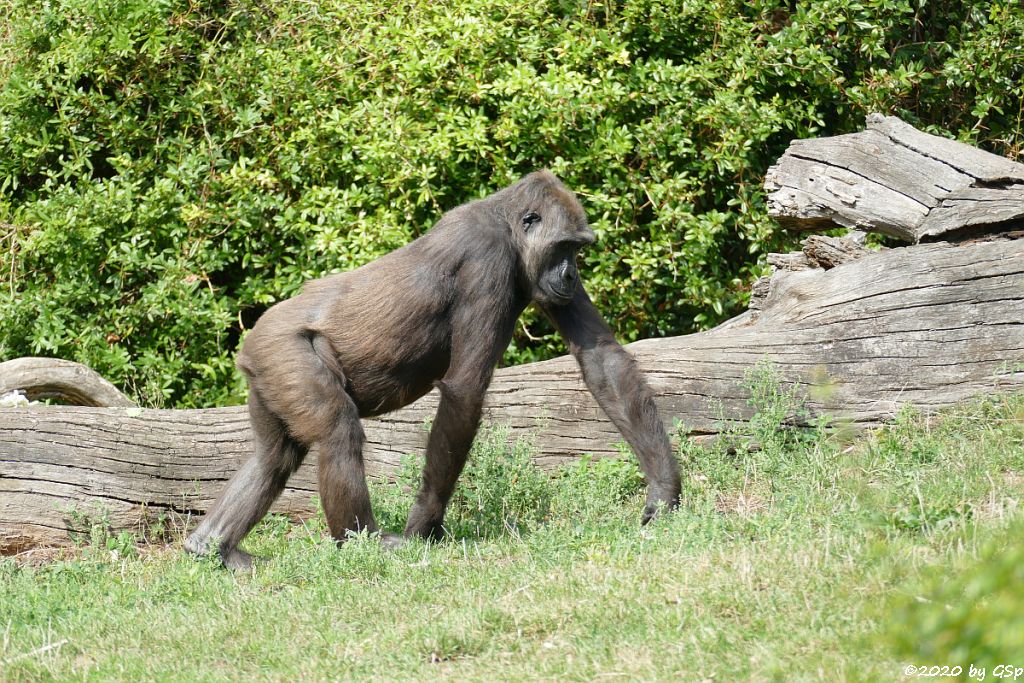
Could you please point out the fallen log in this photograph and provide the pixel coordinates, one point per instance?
(53, 378)
(863, 332)
(897, 180)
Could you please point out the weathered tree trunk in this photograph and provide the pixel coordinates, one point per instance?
(894, 179)
(52, 378)
(864, 332)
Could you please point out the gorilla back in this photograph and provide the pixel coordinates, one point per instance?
(437, 312)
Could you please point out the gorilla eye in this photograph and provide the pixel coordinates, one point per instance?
(529, 219)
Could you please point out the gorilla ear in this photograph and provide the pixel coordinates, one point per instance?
(529, 220)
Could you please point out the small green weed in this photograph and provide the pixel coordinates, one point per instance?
(93, 532)
(501, 490)
(589, 487)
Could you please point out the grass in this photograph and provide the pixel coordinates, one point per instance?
(808, 558)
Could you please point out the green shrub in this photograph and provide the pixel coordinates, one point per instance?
(501, 489)
(592, 488)
(169, 169)
(971, 616)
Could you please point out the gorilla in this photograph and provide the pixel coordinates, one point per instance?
(438, 312)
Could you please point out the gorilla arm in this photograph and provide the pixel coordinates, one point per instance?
(615, 381)
(481, 330)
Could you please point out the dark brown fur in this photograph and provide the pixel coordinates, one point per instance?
(438, 312)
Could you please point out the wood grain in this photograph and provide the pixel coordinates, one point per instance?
(43, 378)
(896, 180)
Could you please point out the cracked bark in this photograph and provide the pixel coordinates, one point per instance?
(894, 179)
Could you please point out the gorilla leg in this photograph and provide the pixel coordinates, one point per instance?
(328, 416)
(252, 490)
(342, 479)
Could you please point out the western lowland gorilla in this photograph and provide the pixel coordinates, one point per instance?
(438, 312)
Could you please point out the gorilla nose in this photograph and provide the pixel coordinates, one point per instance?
(568, 272)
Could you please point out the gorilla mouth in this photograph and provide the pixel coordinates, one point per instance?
(563, 285)
(562, 295)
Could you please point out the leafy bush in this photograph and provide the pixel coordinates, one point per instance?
(501, 489)
(591, 488)
(169, 169)
(975, 616)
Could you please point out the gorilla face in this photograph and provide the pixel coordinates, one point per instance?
(553, 239)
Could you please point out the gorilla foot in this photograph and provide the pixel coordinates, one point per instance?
(391, 541)
(196, 545)
(239, 560)
(232, 558)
